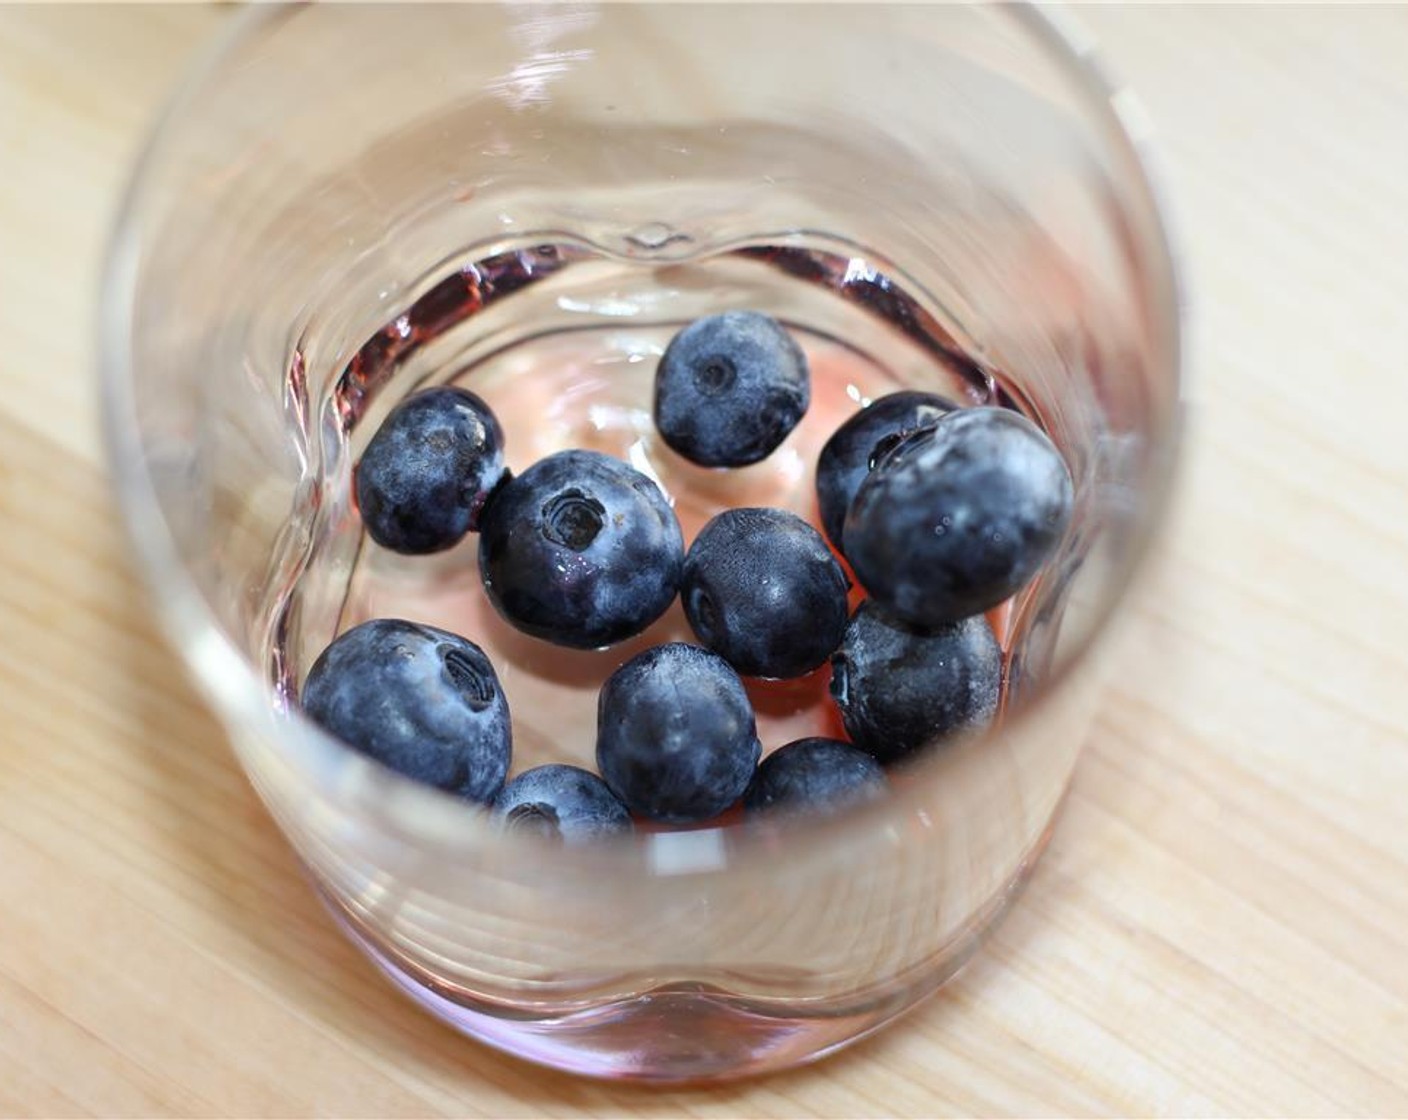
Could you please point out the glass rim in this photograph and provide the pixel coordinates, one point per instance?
(241, 697)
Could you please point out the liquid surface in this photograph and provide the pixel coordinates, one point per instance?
(563, 345)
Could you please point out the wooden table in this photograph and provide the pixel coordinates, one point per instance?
(1221, 923)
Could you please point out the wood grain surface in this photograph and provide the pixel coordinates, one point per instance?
(1221, 923)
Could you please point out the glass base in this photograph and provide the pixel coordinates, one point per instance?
(689, 1033)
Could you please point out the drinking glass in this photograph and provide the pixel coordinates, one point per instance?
(343, 203)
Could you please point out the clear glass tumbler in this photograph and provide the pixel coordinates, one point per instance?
(333, 182)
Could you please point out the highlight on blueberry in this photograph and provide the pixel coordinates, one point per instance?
(900, 688)
(581, 550)
(422, 701)
(761, 589)
(959, 517)
(814, 775)
(729, 389)
(676, 738)
(561, 802)
(427, 472)
(856, 446)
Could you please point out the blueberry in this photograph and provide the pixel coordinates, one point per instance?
(422, 701)
(426, 474)
(729, 388)
(956, 519)
(814, 774)
(581, 550)
(676, 740)
(562, 802)
(856, 445)
(900, 688)
(761, 589)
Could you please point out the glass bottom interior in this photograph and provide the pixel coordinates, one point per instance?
(563, 343)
